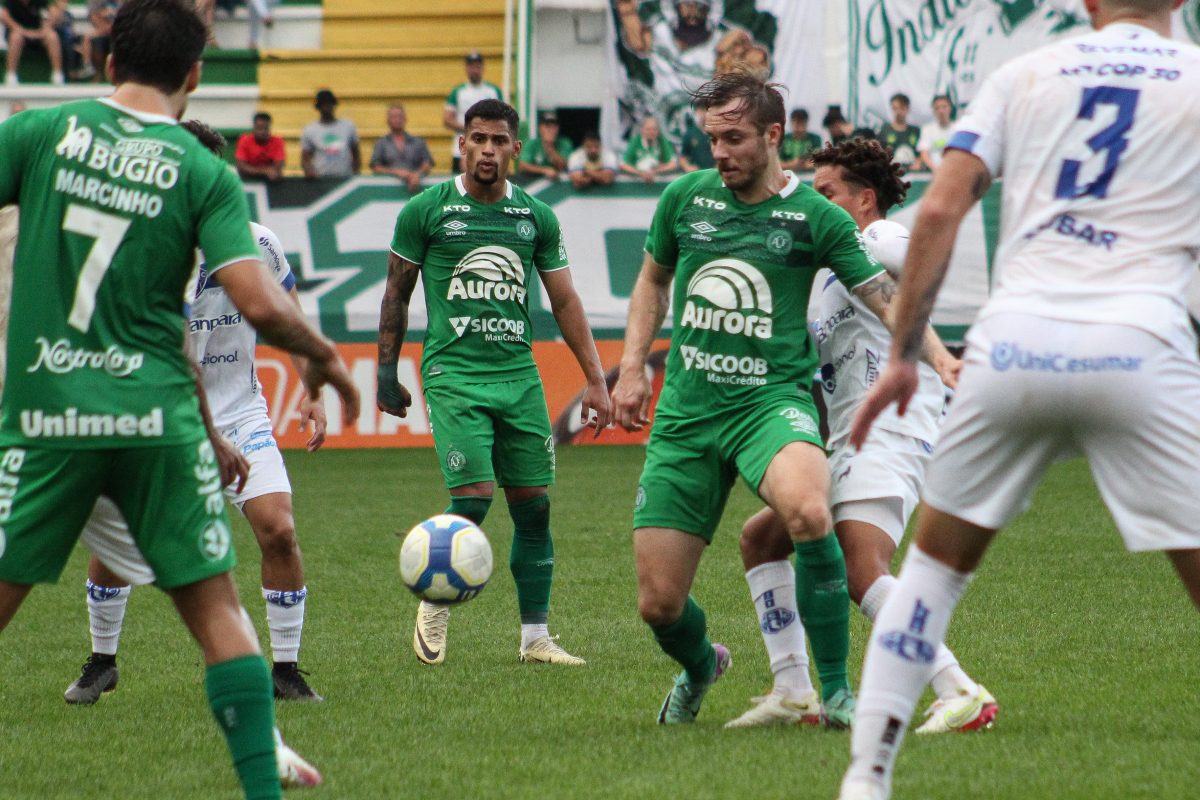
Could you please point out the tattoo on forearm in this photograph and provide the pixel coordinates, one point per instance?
(883, 286)
(914, 338)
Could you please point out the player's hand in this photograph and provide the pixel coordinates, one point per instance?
(897, 384)
(596, 402)
(230, 462)
(948, 370)
(332, 371)
(631, 399)
(313, 411)
(390, 396)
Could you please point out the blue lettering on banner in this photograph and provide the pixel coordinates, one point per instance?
(1009, 355)
(909, 647)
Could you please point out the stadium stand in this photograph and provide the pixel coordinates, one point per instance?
(373, 54)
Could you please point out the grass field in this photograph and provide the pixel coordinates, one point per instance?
(1091, 652)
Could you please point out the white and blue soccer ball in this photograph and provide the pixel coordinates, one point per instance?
(446, 559)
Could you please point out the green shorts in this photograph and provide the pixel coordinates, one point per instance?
(691, 463)
(492, 432)
(170, 496)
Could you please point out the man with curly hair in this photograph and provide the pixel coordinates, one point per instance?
(875, 487)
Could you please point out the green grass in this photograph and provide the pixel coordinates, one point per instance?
(1091, 652)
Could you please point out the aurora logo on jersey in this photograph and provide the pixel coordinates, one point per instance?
(60, 358)
(488, 273)
(737, 300)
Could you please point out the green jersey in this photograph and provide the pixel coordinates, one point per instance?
(534, 152)
(113, 204)
(477, 263)
(743, 274)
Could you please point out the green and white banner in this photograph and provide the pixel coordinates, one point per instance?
(337, 235)
(855, 53)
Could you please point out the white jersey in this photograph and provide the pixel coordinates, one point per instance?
(1097, 139)
(853, 345)
(222, 342)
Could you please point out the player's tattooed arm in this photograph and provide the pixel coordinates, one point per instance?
(647, 309)
(390, 396)
(879, 295)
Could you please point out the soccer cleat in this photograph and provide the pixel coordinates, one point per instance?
(429, 638)
(968, 712)
(290, 684)
(683, 701)
(99, 675)
(294, 771)
(837, 713)
(777, 708)
(546, 650)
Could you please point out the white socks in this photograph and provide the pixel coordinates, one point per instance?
(900, 661)
(530, 633)
(773, 589)
(949, 680)
(106, 613)
(285, 619)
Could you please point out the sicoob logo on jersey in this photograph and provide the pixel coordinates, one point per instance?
(729, 296)
(488, 273)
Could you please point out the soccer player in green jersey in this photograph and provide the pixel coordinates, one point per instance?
(475, 242)
(743, 243)
(99, 398)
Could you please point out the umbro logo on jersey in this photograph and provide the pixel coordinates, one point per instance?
(737, 299)
(455, 225)
(460, 324)
(703, 227)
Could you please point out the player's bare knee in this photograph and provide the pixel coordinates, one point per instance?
(762, 543)
(277, 538)
(659, 606)
(806, 519)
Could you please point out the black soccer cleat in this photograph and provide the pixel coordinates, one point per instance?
(99, 675)
(290, 684)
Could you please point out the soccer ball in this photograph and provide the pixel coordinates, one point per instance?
(446, 559)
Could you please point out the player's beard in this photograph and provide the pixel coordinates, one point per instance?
(750, 170)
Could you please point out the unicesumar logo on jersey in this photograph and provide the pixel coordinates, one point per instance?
(737, 299)
(488, 273)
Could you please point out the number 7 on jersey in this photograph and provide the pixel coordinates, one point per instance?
(108, 230)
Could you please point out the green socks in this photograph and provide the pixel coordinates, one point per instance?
(686, 641)
(470, 507)
(532, 558)
(241, 698)
(824, 604)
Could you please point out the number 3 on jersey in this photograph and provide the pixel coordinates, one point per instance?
(1111, 141)
(108, 230)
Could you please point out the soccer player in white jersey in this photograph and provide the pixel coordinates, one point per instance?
(875, 489)
(222, 344)
(1095, 137)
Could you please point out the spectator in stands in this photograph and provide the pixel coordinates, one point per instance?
(94, 44)
(695, 151)
(16, 107)
(545, 154)
(898, 134)
(33, 22)
(649, 154)
(329, 147)
(260, 154)
(401, 154)
(262, 15)
(840, 128)
(593, 164)
(464, 96)
(936, 133)
(797, 147)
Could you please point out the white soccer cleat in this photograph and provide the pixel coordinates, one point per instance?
(429, 638)
(546, 650)
(294, 771)
(777, 708)
(968, 712)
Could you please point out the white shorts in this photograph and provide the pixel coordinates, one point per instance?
(107, 535)
(879, 484)
(1035, 389)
